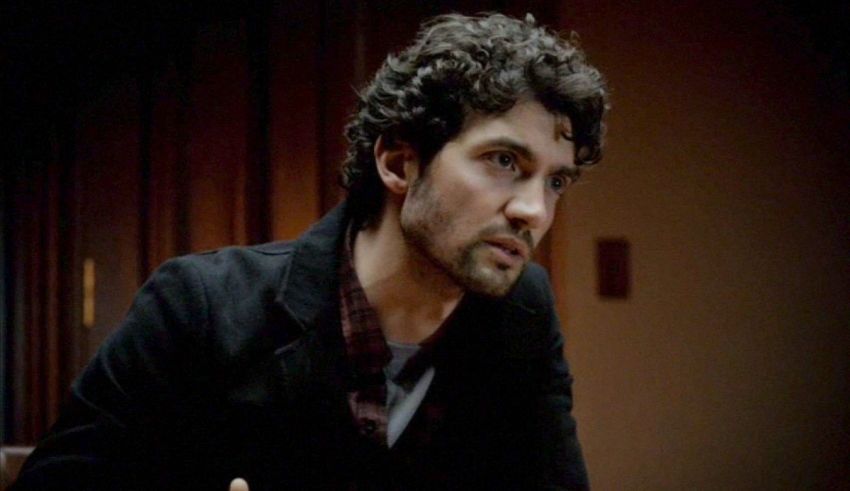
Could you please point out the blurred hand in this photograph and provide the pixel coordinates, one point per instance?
(238, 484)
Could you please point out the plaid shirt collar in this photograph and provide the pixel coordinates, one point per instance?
(365, 345)
(368, 352)
(366, 348)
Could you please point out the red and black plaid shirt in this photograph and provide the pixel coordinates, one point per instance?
(368, 354)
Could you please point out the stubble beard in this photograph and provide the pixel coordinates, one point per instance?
(423, 221)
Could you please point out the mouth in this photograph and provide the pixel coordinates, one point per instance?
(511, 248)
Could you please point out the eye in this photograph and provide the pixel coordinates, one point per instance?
(503, 160)
(559, 183)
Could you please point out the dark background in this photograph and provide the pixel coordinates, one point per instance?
(136, 131)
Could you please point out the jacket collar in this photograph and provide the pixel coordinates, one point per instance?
(310, 287)
(311, 284)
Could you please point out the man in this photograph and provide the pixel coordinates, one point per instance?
(405, 341)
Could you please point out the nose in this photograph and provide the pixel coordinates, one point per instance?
(527, 206)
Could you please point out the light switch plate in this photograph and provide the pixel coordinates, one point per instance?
(613, 268)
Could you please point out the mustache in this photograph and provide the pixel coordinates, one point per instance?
(501, 230)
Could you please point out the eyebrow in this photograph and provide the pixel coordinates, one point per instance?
(572, 172)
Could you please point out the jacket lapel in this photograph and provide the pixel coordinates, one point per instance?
(313, 368)
(310, 285)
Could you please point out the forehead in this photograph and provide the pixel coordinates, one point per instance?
(547, 135)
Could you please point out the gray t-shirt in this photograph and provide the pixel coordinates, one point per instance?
(403, 396)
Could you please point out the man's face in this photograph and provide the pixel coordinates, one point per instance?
(489, 196)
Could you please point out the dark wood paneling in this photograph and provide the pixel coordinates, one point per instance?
(230, 131)
(72, 355)
(16, 338)
(28, 264)
(108, 159)
(38, 341)
(218, 126)
(49, 289)
(167, 164)
(342, 54)
(257, 173)
(294, 119)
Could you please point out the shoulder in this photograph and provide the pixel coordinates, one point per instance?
(241, 257)
(233, 268)
(226, 296)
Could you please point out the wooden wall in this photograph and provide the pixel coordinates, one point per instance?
(191, 133)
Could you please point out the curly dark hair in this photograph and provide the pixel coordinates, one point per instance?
(458, 65)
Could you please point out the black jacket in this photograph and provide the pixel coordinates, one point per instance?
(231, 363)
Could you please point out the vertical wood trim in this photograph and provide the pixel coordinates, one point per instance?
(239, 186)
(35, 403)
(109, 137)
(258, 175)
(51, 350)
(184, 65)
(238, 226)
(295, 101)
(166, 187)
(65, 251)
(158, 193)
(146, 210)
(322, 106)
(82, 348)
(20, 256)
(361, 20)
(5, 314)
(337, 79)
(5, 311)
(218, 145)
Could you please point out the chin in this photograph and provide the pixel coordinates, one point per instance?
(475, 271)
(491, 282)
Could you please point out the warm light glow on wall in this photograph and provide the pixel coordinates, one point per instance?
(88, 292)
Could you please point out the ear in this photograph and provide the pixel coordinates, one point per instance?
(398, 165)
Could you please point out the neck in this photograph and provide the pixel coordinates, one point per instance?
(411, 296)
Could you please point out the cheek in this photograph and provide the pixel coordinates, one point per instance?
(466, 200)
(471, 197)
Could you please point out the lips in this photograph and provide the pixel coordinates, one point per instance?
(512, 247)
